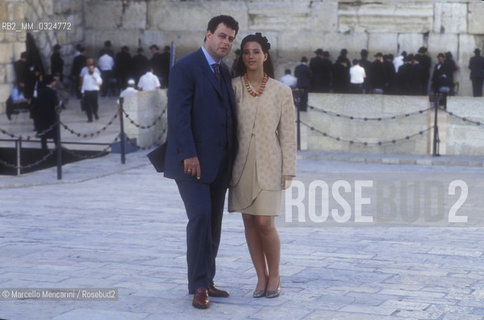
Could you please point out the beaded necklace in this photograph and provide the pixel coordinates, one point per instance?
(261, 88)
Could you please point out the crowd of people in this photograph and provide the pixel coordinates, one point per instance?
(110, 75)
(405, 74)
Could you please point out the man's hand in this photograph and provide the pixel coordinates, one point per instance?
(191, 166)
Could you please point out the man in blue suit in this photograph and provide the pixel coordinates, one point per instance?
(200, 149)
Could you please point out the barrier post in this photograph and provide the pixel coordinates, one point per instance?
(18, 147)
(121, 134)
(435, 151)
(58, 146)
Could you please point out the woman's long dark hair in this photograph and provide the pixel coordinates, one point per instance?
(240, 68)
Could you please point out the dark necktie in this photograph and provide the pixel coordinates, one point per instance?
(216, 69)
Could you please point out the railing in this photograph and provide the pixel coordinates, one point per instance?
(121, 114)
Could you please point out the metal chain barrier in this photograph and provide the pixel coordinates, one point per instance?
(27, 166)
(477, 123)
(100, 153)
(158, 119)
(156, 143)
(400, 116)
(366, 143)
(27, 138)
(92, 134)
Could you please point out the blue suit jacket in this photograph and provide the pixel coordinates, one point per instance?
(200, 119)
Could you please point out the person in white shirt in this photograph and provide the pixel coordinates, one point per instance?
(288, 79)
(129, 91)
(149, 81)
(106, 64)
(91, 83)
(84, 70)
(357, 77)
(398, 61)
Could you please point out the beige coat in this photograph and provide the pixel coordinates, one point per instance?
(271, 117)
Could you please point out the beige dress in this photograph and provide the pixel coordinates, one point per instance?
(248, 197)
(246, 194)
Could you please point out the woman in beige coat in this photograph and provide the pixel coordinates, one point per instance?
(266, 159)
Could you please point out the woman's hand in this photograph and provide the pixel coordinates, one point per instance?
(286, 182)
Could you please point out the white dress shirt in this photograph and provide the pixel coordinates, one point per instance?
(84, 71)
(357, 74)
(398, 62)
(148, 82)
(289, 80)
(91, 82)
(128, 92)
(105, 62)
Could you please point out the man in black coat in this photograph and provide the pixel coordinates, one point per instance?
(476, 64)
(378, 74)
(425, 61)
(319, 72)
(56, 62)
(441, 77)
(21, 68)
(341, 76)
(46, 104)
(405, 76)
(365, 64)
(139, 64)
(303, 75)
(390, 74)
(122, 65)
(165, 66)
(78, 63)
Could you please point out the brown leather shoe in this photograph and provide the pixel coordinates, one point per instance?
(214, 292)
(200, 298)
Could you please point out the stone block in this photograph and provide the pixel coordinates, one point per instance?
(272, 15)
(352, 41)
(6, 53)
(47, 7)
(409, 42)
(442, 43)
(134, 16)
(474, 18)
(3, 10)
(3, 73)
(9, 73)
(104, 15)
(5, 90)
(10, 36)
(18, 48)
(193, 16)
(22, 36)
(450, 18)
(95, 39)
(19, 12)
(144, 108)
(386, 17)
(383, 42)
(323, 16)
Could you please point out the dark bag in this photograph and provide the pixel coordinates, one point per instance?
(157, 157)
(83, 104)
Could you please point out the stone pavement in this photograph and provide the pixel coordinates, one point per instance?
(107, 225)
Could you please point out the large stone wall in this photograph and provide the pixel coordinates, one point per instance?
(298, 27)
